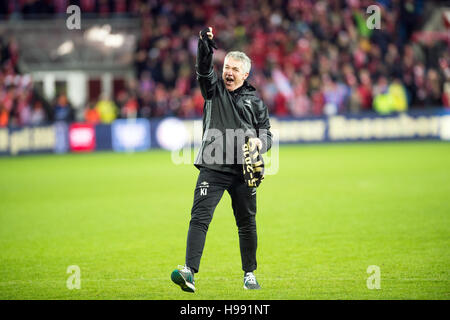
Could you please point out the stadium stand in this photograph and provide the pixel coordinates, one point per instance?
(309, 58)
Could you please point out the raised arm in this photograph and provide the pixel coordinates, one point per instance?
(206, 76)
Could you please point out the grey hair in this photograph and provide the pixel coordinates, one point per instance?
(241, 56)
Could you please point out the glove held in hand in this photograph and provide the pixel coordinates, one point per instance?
(208, 41)
(252, 164)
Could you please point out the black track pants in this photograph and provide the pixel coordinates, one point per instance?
(208, 192)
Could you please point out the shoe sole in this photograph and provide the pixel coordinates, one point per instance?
(178, 279)
(251, 288)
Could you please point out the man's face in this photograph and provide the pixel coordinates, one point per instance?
(233, 73)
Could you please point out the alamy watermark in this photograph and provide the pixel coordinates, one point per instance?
(74, 20)
(74, 280)
(224, 147)
(374, 279)
(374, 21)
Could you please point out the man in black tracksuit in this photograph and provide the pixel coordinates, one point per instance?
(232, 111)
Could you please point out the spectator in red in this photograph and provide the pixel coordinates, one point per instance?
(446, 95)
(365, 90)
(281, 106)
(4, 116)
(91, 114)
(318, 102)
(130, 108)
(198, 101)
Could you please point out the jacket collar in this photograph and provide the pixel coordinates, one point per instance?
(244, 89)
(248, 86)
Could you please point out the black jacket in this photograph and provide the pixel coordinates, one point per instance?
(227, 118)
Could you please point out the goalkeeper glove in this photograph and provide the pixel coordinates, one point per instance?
(253, 164)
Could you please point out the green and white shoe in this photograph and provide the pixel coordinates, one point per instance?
(250, 282)
(184, 277)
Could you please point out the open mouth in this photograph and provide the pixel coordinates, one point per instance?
(229, 81)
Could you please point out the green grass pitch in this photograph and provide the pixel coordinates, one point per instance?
(329, 213)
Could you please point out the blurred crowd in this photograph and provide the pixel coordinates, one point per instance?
(308, 58)
(19, 104)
